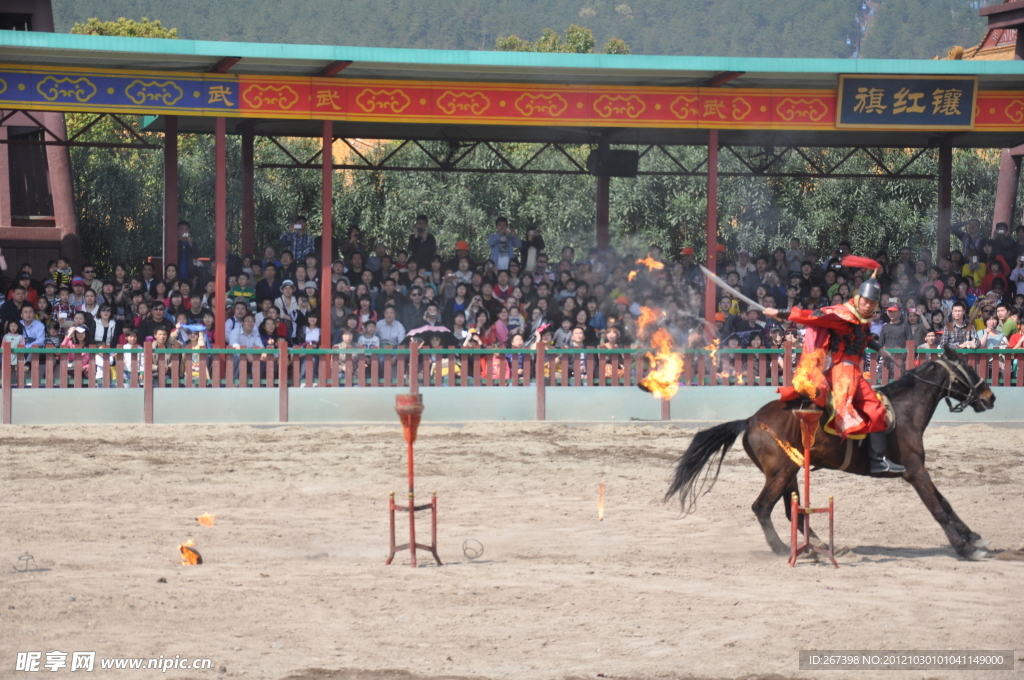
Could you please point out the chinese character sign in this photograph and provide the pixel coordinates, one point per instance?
(899, 102)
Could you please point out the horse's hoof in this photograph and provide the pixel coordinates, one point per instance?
(980, 543)
(977, 555)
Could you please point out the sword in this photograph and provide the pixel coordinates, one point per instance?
(750, 303)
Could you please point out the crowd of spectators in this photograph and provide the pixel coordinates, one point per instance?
(520, 295)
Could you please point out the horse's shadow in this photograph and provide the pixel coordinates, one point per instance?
(891, 554)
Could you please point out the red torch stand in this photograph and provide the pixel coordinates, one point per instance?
(808, 425)
(410, 409)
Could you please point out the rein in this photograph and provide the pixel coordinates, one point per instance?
(957, 374)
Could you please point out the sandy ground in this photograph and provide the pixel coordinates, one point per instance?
(293, 584)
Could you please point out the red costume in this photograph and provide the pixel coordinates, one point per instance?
(841, 335)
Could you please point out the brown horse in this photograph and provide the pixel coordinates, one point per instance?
(914, 398)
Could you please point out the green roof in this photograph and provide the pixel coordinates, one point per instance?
(49, 49)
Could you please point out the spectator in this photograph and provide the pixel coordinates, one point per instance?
(157, 321)
(390, 331)
(33, 329)
(958, 333)
(10, 310)
(992, 336)
(422, 244)
(297, 239)
(269, 288)
(368, 338)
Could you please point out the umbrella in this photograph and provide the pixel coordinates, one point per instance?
(426, 333)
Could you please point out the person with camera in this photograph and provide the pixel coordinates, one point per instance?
(296, 238)
(1017, 275)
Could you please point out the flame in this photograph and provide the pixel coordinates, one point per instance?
(206, 519)
(667, 366)
(189, 555)
(648, 317)
(807, 370)
(712, 349)
(739, 379)
(791, 451)
(600, 501)
(651, 263)
(632, 275)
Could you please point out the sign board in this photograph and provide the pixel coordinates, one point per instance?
(906, 102)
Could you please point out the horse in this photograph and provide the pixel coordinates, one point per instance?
(914, 398)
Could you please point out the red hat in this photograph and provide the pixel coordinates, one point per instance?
(687, 250)
(622, 300)
(461, 245)
(719, 316)
(894, 308)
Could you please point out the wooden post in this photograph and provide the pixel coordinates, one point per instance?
(603, 235)
(248, 190)
(220, 215)
(945, 196)
(147, 383)
(710, 303)
(6, 375)
(282, 379)
(326, 290)
(170, 191)
(542, 405)
(1006, 190)
(414, 368)
(787, 364)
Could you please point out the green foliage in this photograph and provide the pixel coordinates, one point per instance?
(578, 40)
(922, 29)
(125, 28)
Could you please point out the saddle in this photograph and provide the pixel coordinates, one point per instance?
(890, 416)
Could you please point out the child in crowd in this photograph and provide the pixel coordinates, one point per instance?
(368, 338)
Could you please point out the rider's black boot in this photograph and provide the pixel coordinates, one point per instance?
(879, 463)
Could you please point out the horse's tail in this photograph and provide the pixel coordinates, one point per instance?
(688, 481)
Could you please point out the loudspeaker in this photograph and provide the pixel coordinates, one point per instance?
(613, 162)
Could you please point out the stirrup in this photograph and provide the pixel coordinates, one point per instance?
(885, 465)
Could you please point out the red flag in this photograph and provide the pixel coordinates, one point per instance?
(858, 262)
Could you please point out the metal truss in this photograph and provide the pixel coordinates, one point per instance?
(50, 138)
(457, 157)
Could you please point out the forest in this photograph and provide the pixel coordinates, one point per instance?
(895, 29)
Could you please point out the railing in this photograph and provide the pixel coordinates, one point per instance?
(284, 367)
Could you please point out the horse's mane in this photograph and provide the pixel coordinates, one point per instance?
(905, 382)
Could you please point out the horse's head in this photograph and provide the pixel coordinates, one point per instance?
(964, 384)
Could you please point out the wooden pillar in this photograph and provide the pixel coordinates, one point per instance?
(603, 204)
(170, 253)
(248, 190)
(945, 196)
(710, 303)
(1006, 189)
(220, 218)
(326, 238)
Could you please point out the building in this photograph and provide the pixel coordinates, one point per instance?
(37, 211)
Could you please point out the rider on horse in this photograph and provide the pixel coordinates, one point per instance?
(839, 335)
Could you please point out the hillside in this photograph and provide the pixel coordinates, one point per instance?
(751, 28)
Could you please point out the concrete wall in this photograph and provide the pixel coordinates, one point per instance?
(696, 405)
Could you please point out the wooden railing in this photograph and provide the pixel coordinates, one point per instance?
(283, 367)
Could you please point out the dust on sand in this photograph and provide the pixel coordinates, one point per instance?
(293, 583)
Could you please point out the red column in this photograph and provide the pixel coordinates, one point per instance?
(220, 217)
(712, 225)
(326, 239)
(248, 191)
(603, 201)
(1006, 189)
(170, 190)
(945, 195)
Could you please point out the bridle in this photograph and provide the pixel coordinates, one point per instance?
(957, 375)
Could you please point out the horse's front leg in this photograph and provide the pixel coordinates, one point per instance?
(974, 539)
(919, 478)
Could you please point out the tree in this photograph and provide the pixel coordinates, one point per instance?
(578, 40)
(125, 28)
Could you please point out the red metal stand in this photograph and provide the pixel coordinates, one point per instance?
(410, 409)
(808, 425)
